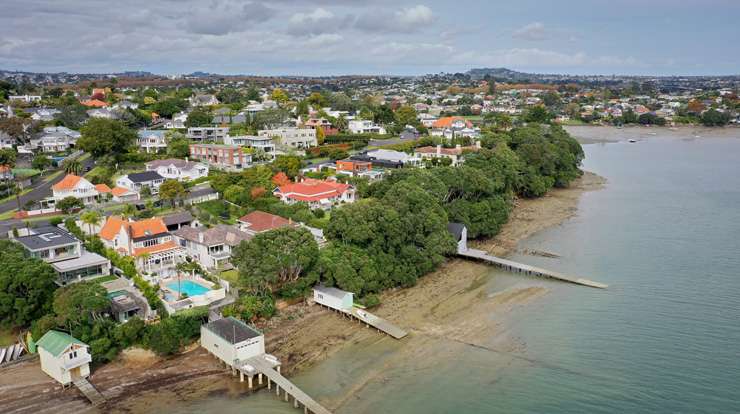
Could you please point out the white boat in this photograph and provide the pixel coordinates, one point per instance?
(2, 355)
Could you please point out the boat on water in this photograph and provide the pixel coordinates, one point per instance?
(632, 140)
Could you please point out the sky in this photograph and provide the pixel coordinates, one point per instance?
(366, 37)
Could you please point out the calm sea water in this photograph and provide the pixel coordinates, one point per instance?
(665, 337)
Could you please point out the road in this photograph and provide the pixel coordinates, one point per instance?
(42, 190)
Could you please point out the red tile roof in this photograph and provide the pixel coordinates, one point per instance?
(156, 248)
(259, 221)
(313, 190)
(119, 191)
(94, 103)
(137, 229)
(102, 188)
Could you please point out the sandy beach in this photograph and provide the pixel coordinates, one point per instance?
(441, 305)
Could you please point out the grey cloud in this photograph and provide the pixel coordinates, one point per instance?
(533, 32)
(222, 17)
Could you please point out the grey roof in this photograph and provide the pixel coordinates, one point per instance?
(177, 218)
(220, 234)
(181, 164)
(145, 176)
(200, 191)
(232, 330)
(87, 259)
(143, 133)
(45, 237)
(124, 302)
(456, 229)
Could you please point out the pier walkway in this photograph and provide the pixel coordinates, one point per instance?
(377, 322)
(87, 389)
(261, 365)
(531, 270)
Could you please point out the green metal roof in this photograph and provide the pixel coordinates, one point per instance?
(56, 342)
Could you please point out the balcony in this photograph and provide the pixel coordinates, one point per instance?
(82, 359)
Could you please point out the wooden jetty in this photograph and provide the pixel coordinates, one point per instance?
(268, 366)
(377, 322)
(523, 268)
(87, 389)
(342, 302)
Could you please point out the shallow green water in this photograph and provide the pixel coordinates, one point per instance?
(665, 337)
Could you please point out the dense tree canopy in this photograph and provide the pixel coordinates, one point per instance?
(106, 137)
(26, 286)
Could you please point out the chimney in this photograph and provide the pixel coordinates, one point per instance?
(439, 149)
(200, 237)
(458, 147)
(477, 144)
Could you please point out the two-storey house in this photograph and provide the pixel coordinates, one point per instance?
(177, 169)
(63, 357)
(211, 247)
(148, 241)
(74, 186)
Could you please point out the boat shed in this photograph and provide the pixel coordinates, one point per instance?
(232, 340)
(333, 298)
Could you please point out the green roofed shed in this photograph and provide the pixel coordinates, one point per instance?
(56, 342)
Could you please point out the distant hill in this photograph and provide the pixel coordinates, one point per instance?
(500, 74)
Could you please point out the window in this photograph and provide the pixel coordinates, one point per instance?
(73, 355)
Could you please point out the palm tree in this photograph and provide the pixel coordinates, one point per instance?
(72, 166)
(144, 260)
(128, 211)
(91, 218)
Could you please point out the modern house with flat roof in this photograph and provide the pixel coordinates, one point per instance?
(221, 157)
(63, 357)
(65, 254)
(232, 340)
(292, 137)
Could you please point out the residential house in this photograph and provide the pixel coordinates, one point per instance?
(65, 254)
(455, 155)
(222, 157)
(6, 173)
(323, 124)
(74, 186)
(105, 113)
(94, 103)
(353, 167)
(177, 169)
(124, 104)
(258, 222)
(176, 221)
(200, 194)
(211, 247)
(292, 137)
(124, 195)
(316, 193)
(229, 118)
(56, 139)
(152, 141)
(363, 126)
(148, 241)
(387, 158)
(203, 100)
(63, 357)
(42, 114)
(252, 141)
(177, 122)
(207, 134)
(452, 127)
(24, 98)
(138, 181)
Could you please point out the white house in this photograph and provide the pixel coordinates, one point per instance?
(211, 247)
(232, 340)
(63, 357)
(24, 98)
(333, 298)
(177, 169)
(362, 126)
(74, 186)
(152, 141)
(292, 137)
(138, 181)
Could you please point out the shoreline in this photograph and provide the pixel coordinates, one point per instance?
(595, 134)
(303, 335)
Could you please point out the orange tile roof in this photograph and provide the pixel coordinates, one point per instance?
(4, 168)
(119, 191)
(447, 122)
(68, 182)
(156, 248)
(102, 188)
(97, 103)
(111, 227)
(260, 221)
(148, 227)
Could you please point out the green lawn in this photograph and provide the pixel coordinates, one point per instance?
(230, 276)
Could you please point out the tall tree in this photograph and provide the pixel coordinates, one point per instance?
(171, 190)
(106, 137)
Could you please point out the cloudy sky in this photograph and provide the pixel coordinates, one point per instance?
(329, 37)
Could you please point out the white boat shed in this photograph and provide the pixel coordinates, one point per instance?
(333, 298)
(232, 340)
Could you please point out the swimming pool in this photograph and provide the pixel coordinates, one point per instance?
(188, 287)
